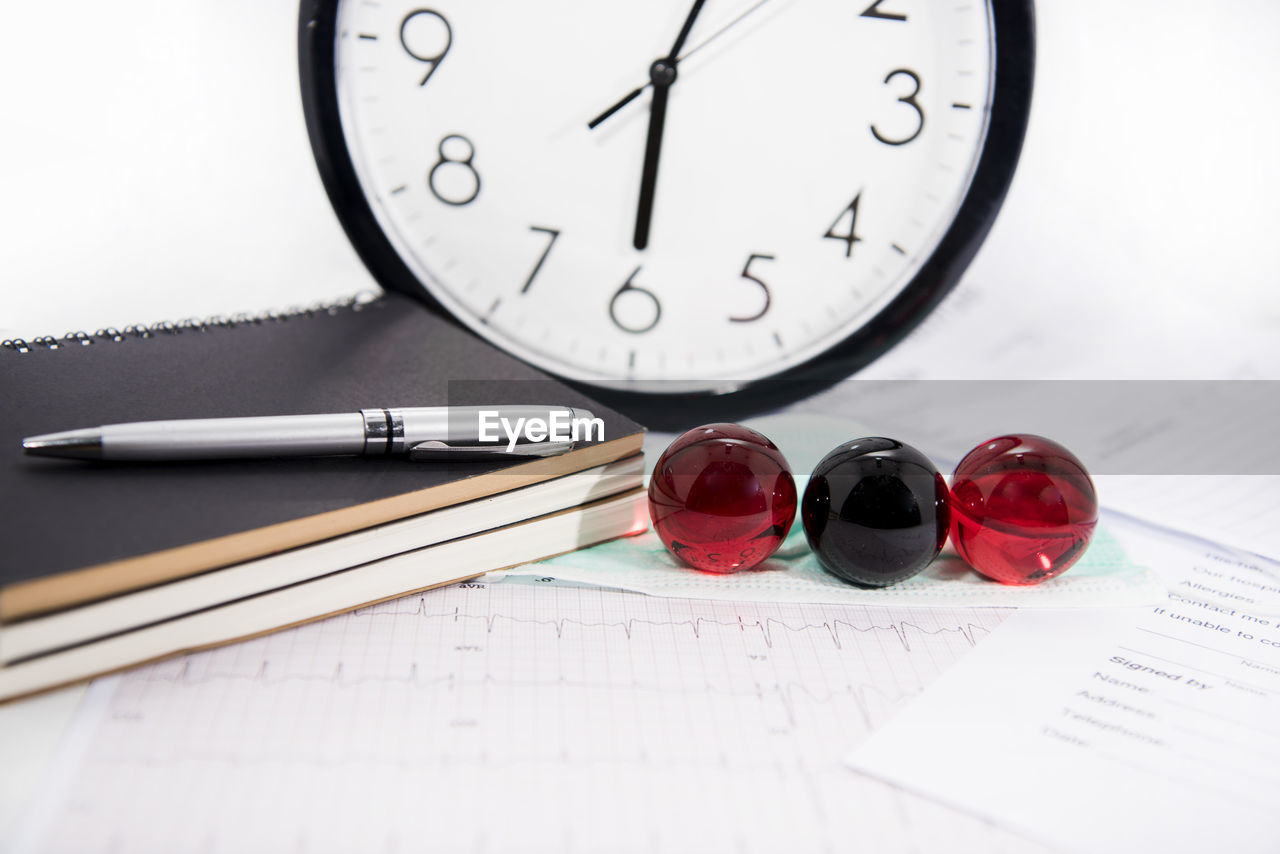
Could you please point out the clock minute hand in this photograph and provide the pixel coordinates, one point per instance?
(662, 74)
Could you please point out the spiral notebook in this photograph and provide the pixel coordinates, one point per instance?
(74, 533)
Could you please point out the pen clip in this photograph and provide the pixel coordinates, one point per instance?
(477, 450)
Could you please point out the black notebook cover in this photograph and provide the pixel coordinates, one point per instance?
(72, 531)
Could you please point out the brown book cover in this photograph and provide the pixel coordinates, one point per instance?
(73, 532)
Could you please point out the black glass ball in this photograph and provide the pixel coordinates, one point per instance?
(875, 512)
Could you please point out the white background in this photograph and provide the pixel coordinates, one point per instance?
(153, 165)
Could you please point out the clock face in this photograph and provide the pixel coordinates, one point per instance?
(764, 196)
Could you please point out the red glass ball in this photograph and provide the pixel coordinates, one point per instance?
(722, 498)
(1023, 509)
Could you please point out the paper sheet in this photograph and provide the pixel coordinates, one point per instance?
(521, 716)
(1108, 731)
(1241, 511)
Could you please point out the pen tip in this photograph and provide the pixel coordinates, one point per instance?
(75, 444)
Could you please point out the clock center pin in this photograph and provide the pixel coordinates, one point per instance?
(662, 72)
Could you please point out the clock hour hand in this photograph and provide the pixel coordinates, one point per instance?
(662, 74)
(684, 31)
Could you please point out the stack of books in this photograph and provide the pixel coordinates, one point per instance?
(107, 565)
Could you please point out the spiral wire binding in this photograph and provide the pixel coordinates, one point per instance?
(356, 302)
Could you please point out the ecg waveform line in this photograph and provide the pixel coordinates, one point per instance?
(764, 625)
(772, 695)
(785, 693)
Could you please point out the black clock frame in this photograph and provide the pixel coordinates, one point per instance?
(1014, 37)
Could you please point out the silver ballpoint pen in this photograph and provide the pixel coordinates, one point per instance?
(420, 433)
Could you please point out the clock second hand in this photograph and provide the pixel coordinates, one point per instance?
(639, 90)
(661, 75)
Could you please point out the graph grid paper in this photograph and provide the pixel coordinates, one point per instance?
(522, 715)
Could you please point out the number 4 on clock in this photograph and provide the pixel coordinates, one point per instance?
(850, 237)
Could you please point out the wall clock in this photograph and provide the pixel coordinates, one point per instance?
(677, 200)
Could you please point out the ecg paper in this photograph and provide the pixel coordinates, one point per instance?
(1105, 577)
(523, 715)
